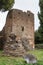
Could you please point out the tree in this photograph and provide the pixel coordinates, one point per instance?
(37, 37)
(6, 5)
(40, 15)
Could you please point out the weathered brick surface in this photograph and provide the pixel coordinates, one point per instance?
(19, 30)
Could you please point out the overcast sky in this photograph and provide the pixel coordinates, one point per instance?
(32, 5)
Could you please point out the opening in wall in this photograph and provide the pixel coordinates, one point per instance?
(22, 28)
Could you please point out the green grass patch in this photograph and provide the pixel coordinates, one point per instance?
(20, 61)
(38, 53)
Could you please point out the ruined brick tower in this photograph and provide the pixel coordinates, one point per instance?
(19, 32)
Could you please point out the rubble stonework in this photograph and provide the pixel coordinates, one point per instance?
(19, 32)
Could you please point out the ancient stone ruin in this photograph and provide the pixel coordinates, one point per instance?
(19, 32)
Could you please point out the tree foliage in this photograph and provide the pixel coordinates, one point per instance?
(39, 32)
(6, 4)
(37, 37)
(40, 15)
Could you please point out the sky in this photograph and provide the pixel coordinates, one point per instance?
(31, 5)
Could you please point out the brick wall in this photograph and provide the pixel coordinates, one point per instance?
(20, 24)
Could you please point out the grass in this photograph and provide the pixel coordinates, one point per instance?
(20, 61)
(38, 53)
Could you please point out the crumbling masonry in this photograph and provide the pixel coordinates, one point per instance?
(19, 32)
